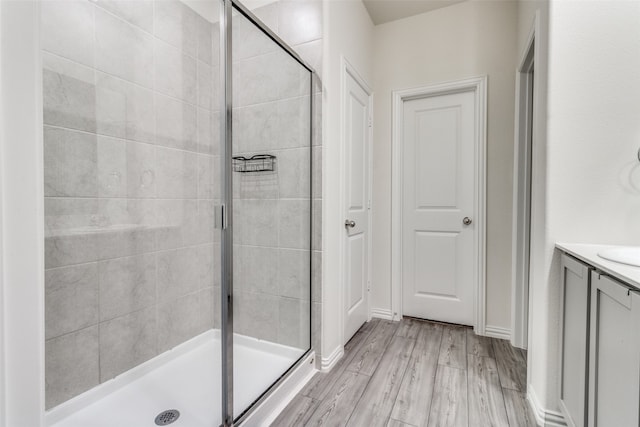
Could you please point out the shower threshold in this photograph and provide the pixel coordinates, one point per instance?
(186, 378)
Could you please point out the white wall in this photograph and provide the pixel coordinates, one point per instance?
(349, 33)
(22, 225)
(592, 176)
(464, 40)
(594, 122)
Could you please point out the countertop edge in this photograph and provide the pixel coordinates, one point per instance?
(588, 253)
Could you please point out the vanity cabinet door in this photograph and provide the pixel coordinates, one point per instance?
(614, 366)
(574, 344)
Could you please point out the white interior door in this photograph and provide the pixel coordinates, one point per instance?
(438, 232)
(356, 281)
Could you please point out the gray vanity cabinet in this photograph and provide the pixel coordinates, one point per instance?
(614, 372)
(574, 335)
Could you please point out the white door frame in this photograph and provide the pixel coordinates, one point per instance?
(347, 69)
(522, 187)
(477, 85)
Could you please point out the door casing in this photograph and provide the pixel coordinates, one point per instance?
(522, 191)
(346, 70)
(477, 85)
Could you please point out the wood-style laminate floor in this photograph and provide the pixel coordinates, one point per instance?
(417, 373)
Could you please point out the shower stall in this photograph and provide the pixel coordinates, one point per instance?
(178, 210)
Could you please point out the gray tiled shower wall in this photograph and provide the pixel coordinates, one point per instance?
(131, 142)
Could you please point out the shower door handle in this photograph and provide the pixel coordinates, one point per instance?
(349, 223)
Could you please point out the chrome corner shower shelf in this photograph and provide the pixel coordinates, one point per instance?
(257, 163)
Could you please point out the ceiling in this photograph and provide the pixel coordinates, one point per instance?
(382, 11)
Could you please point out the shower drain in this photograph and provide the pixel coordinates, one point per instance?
(167, 417)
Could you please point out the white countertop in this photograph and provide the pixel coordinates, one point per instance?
(589, 254)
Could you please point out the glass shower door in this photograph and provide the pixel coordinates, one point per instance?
(271, 177)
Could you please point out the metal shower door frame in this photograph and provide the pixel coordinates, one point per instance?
(226, 209)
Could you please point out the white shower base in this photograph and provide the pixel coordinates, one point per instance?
(186, 378)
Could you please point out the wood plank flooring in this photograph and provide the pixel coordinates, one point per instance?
(417, 373)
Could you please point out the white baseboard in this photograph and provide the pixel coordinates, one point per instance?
(544, 417)
(382, 313)
(330, 361)
(271, 407)
(497, 332)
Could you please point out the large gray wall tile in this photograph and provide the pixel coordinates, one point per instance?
(201, 229)
(256, 222)
(207, 167)
(205, 85)
(176, 23)
(248, 40)
(268, 14)
(126, 342)
(176, 174)
(69, 94)
(176, 123)
(62, 213)
(68, 30)
(256, 128)
(123, 50)
(208, 132)
(294, 124)
(136, 12)
(256, 80)
(67, 249)
(316, 137)
(316, 276)
(217, 270)
(294, 173)
(294, 273)
(316, 325)
(217, 311)
(131, 240)
(256, 269)
(127, 213)
(316, 229)
(294, 326)
(256, 315)
(141, 170)
(112, 167)
(205, 40)
(294, 231)
(205, 268)
(70, 160)
(175, 73)
(175, 219)
(71, 299)
(123, 109)
(127, 285)
(215, 43)
(291, 79)
(263, 185)
(71, 363)
(177, 273)
(184, 318)
(316, 172)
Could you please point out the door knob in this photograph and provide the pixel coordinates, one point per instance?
(349, 223)
(467, 220)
